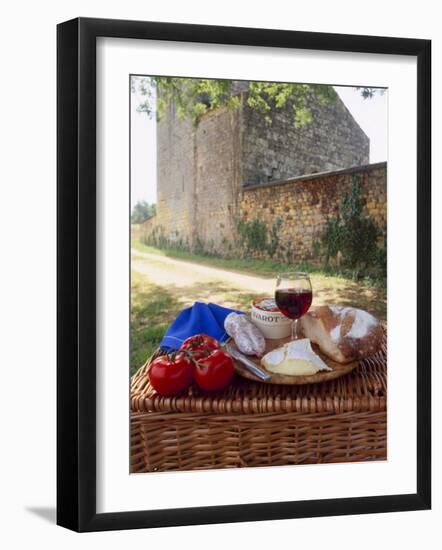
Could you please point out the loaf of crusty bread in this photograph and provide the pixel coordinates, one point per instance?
(344, 334)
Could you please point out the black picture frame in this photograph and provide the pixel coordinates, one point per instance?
(76, 274)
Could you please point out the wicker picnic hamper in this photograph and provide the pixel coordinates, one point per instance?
(254, 424)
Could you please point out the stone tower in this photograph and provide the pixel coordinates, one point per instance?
(202, 169)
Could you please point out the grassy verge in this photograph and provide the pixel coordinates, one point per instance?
(153, 308)
(264, 268)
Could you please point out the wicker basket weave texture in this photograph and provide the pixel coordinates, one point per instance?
(253, 424)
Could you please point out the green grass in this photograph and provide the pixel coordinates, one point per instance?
(152, 310)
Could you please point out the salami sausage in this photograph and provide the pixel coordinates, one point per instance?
(248, 338)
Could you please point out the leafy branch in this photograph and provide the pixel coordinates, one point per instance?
(194, 97)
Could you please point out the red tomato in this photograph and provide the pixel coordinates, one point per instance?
(200, 345)
(215, 371)
(170, 375)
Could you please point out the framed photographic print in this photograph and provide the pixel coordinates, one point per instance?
(243, 274)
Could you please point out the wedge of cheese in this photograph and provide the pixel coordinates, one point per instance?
(295, 358)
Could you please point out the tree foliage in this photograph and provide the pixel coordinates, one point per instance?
(193, 97)
(142, 211)
(368, 93)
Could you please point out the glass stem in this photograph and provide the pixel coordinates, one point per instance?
(295, 329)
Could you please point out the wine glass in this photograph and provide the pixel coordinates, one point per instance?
(293, 296)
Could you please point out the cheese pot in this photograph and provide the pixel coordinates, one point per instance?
(273, 324)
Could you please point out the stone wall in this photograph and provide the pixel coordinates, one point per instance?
(305, 204)
(206, 175)
(331, 141)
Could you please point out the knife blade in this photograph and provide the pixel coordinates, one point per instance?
(248, 363)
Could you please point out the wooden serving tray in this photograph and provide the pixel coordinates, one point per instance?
(323, 376)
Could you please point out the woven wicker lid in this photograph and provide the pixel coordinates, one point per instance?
(364, 389)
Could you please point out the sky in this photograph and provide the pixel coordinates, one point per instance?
(370, 114)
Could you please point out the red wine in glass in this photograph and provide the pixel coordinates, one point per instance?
(293, 302)
(293, 296)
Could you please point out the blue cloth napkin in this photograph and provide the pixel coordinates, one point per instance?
(198, 319)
